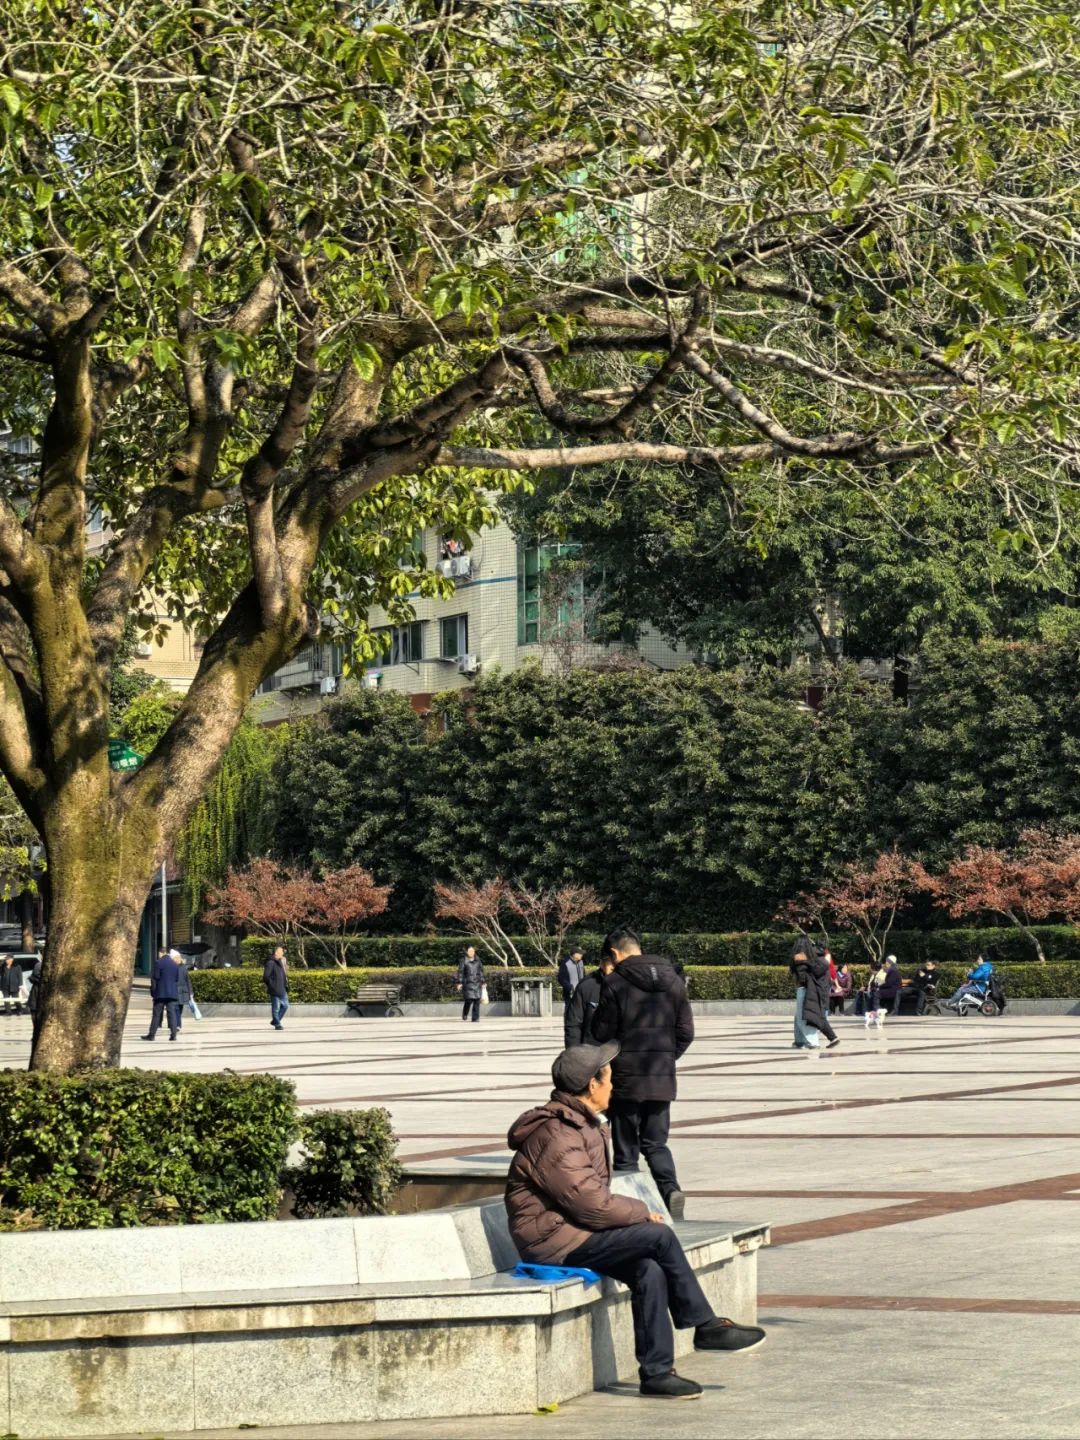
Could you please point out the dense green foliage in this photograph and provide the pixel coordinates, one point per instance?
(762, 947)
(671, 794)
(349, 1166)
(1021, 982)
(136, 1147)
(694, 800)
(896, 563)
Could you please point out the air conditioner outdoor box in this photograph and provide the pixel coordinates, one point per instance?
(328, 685)
(468, 664)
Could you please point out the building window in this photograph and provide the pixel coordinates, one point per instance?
(454, 636)
(95, 521)
(533, 560)
(406, 644)
(413, 557)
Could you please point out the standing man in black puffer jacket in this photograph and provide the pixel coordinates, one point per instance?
(643, 1006)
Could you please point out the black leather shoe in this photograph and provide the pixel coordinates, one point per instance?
(670, 1387)
(726, 1335)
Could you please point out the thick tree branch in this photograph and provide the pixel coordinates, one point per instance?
(30, 299)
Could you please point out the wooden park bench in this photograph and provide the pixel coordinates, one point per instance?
(388, 995)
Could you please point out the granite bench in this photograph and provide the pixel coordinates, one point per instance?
(313, 1322)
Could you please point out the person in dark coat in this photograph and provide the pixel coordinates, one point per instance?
(926, 983)
(571, 972)
(578, 1015)
(276, 980)
(890, 991)
(33, 999)
(811, 972)
(470, 981)
(643, 1006)
(11, 979)
(164, 991)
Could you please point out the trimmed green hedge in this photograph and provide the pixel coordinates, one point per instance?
(752, 947)
(707, 982)
(349, 1167)
(315, 987)
(141, 1147)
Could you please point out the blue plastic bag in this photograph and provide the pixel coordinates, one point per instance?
(552, 1274)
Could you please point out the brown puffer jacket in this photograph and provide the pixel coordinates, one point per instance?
(557, 1192)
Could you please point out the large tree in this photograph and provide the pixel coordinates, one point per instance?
(277, 286)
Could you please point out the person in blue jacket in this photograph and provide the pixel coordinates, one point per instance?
(165, 993)
(977, 981)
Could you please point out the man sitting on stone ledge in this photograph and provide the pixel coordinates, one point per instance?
(562, 1212)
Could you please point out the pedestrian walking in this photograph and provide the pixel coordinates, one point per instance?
(561, 1211)
(470, 982)
(164, 991)
(571, 972)
(644, 1009)
(578, 1015)
(183, 985)
(11, 984)
(810, 970)
(276, 980)
(33, 998)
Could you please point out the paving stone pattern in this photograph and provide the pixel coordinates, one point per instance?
(924, 1278)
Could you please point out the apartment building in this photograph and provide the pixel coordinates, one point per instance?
(495, 619)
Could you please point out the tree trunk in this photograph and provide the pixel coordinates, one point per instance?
(26, 920)
(98, 895)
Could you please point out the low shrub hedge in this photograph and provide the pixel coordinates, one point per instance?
(707, 982)
(141, 1147)
(313, 987)
(1005, 944)
(349, 1167)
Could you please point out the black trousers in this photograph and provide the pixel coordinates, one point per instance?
(161, 1007)
(825, 1028)
(649, 1260)
(474, 1006)
(641, 1127)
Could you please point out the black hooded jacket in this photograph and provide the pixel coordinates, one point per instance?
(643, 1006)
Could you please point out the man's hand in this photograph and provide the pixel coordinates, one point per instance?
(657, 1218)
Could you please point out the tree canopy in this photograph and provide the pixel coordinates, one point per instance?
(276, 288)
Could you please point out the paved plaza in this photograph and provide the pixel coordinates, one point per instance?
(924, 1278)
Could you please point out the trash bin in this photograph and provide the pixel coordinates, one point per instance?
(529, 996)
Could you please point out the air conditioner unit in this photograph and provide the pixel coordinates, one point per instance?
(328, 685)
(468, 664)
(370, 680)
(143, 650)
(461, 566)
(446, 568)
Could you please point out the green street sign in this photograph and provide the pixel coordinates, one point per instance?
(122, 756)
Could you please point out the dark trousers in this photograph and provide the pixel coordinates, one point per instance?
(650, 1261)
(641, 1127)
(474, 1006)
(161, 1008)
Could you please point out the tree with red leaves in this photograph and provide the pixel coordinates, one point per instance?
(549, 915)
(283, 900)
(864, 898)
(343, 899)
(1036, 881)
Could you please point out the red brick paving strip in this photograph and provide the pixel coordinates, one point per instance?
(931, 1303)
